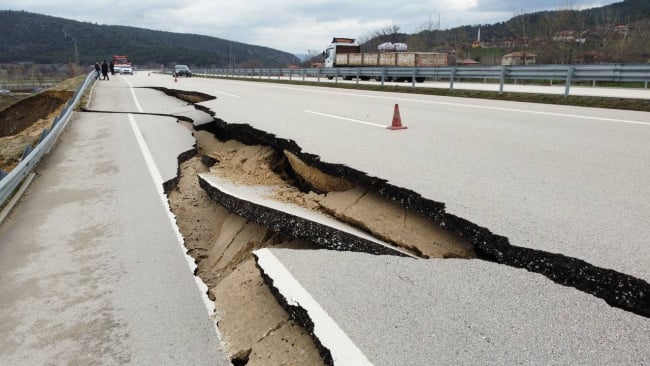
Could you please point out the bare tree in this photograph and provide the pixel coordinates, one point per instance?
(521, 21)
(389, 33)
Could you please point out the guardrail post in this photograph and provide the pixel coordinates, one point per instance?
(336, 76)
(304, 71)
(452, 77)
(43, 135)
(27, 151)
(415, 72)
(645, 85)
(569, 76)
(503, 79)
(56, 120)
(358, 74)
(383, 75)
(318, 77)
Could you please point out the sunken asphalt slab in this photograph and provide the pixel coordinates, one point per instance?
(449, 312)
(256, 203)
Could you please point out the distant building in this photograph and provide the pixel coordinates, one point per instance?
(622, 29)
(569, 37)
(564, 36)
(508, 45)
(519, 58)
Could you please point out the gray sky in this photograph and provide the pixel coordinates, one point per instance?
(290, 25)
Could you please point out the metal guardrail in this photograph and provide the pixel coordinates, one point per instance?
(32, 155)
(567, 73)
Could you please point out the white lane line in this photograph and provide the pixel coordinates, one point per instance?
(228, 94)
(135, 99)
(158, 182)
(345, 119)
(343, 350)
(463, 105)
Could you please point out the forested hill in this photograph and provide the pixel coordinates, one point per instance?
(29, 37)
(618, 32)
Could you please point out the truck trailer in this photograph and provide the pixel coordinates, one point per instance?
(345, 52)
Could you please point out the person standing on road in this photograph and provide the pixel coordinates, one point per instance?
(97, 70)
(105, 71)
(111, 66)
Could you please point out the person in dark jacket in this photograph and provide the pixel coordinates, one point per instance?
(97, 70)
(105, 71)
(111, 66)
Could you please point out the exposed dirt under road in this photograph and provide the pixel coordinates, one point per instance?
(22, 123)
(23, 116)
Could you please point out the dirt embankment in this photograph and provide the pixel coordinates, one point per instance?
(22, 123)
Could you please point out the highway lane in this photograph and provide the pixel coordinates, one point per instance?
(562, 179)
(387, 310)
(91, 267)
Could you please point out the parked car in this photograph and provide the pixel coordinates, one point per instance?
(182, 70)
(127, 69)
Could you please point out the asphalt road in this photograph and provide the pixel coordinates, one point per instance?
(450, 312)
(91, 267)
(561, 179)
(91, 270)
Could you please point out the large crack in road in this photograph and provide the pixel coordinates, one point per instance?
(616, 288)
(221, 229)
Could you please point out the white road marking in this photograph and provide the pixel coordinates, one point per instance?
(135, 99)
(158, 182)
(228, 94)
(343, 350)
(345, 118)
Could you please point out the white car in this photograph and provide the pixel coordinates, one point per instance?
(126, 70)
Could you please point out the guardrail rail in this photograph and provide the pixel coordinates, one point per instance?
(566, 73)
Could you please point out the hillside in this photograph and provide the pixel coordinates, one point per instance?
(29, 37)
(618, 32)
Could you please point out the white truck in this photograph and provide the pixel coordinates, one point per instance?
(345, 52)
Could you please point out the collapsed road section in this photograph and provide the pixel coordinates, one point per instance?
(618, 289)
(222, 227)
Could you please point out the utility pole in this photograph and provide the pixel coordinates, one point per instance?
(76, 58)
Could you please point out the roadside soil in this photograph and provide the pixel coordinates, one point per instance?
(24, 116)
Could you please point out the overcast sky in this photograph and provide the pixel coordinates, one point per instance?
(290, 25)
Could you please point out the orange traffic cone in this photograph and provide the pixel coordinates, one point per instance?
(397, 120)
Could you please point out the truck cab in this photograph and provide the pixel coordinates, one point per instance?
(339, 46)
